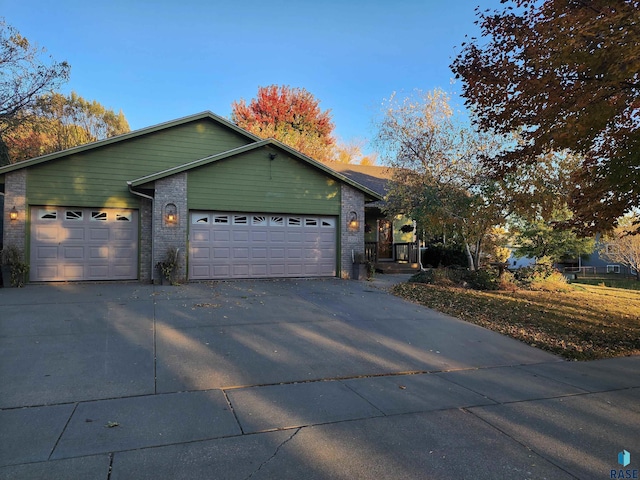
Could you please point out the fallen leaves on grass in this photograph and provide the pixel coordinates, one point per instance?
(586, 324)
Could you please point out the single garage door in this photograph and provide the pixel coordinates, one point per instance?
(83, 244)
(240, 245)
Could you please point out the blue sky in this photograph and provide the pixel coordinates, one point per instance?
(159, 60)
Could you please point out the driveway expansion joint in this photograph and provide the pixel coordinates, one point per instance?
(523, 444)
(64, 429)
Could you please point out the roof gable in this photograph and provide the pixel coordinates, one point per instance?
(373, 195)
(131, 135)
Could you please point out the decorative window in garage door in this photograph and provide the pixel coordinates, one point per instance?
(73, 215)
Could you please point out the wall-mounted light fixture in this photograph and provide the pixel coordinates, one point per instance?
(272, 155)
(13, 213)
(171, 213)
(353, 222)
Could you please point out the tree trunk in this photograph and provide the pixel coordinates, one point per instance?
(476, 257)
(472, 265)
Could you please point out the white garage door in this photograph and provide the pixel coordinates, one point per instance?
(240, 245)
(83, 244)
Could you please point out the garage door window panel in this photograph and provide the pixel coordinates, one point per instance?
(47, 214)
(74, 215)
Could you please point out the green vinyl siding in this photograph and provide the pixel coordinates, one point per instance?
(251, 182)
(98, 177)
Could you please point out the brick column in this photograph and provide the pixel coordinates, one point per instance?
(171, 190)
(350, 240)
(146, 239)
(15, 231)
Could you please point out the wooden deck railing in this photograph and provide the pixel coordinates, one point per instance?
(371, 251)
(402, 252)
(406, 252)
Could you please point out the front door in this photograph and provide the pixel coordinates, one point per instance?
(385, 239)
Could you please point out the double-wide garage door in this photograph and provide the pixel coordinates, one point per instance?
(83, 244)
(240, 245)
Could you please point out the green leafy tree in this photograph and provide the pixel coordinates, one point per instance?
(564, 74)
(540, 238)
(25, 75)
(539, 189)
(290, 115)
(438, 179)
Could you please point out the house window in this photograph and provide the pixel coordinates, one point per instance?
(240, 220)
(44, 214)
(73, 215)
(99, 216)
(613, 268)
(258, 220)
(221, 219)
(123, 217)
(294, 221)
(277, 221)
(310, 222)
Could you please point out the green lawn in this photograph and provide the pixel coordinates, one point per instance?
(609, 281)
(586, 322)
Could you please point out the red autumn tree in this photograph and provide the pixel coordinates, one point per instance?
(290, 115)
(565, 75)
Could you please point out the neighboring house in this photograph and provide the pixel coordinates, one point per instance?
(390, 241)
(514, 262)
(595, 264)
(235, 206)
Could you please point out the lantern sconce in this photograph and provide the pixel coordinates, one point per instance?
(13, 213)
(171, 213)
(353, 222)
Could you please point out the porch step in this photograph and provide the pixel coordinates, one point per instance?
(396, 267)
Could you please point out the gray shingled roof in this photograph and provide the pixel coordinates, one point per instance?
(373, 177)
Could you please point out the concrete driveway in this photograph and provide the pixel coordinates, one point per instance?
(315, 379)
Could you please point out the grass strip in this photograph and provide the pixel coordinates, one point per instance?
(583, 323)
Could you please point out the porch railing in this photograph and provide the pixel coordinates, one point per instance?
(371, 251)
(402, 252)
(406, 252)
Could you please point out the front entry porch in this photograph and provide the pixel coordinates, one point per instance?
(403, 258)
(390, 243)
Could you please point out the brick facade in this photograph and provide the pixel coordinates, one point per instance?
(171, 191)
(351, 241)
(14, 231)
(146, 246)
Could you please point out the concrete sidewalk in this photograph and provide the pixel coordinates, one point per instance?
(292, 379)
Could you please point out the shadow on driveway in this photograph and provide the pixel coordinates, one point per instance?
(274, 379)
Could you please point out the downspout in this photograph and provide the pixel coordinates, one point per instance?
(153, 244)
